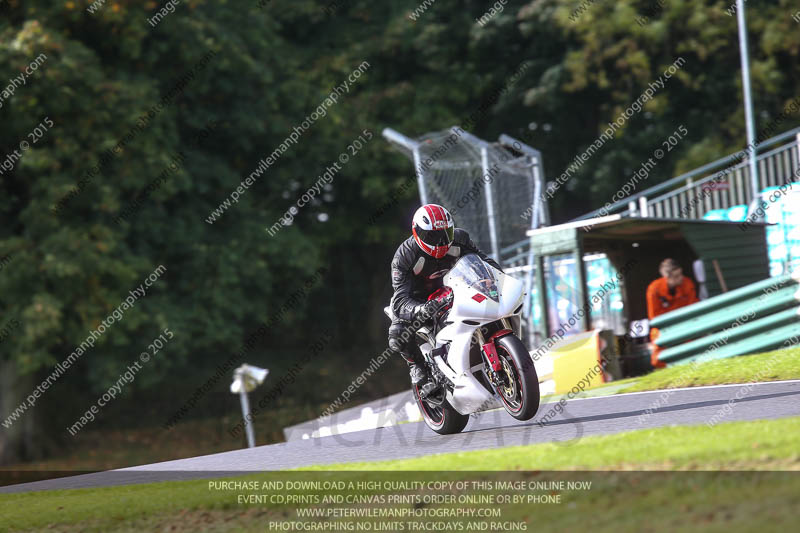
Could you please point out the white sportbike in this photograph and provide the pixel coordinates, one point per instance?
(473, 352)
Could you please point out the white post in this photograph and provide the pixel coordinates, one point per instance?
(527, 311)
(798, 150)
(251, 439)
(487, 188)
(245, 379)
(412, 146)
(423, 192)
(748, 99)
(643, 206)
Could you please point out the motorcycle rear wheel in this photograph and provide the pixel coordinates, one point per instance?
(443, 419)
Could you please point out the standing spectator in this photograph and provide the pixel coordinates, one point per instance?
(667, 293)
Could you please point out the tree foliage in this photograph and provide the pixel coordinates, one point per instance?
(268, 69)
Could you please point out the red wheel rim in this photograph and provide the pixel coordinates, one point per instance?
(425, 412)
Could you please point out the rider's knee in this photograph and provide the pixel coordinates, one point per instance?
(396, 345)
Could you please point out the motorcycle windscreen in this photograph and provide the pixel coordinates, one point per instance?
(474, 273)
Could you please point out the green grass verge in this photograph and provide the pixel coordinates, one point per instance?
(762, 444)
(770, 366)
(617, 501)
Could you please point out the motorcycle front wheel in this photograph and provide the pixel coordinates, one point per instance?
(520, 394)
(442, 419)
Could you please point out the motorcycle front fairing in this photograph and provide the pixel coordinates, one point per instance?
(481, 294)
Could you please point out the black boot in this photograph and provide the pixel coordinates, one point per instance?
(421, 379)
(419, 375)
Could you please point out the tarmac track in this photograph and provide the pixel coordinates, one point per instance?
(493, 429)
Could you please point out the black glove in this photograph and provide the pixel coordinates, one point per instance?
(427, 310)
(431, 307)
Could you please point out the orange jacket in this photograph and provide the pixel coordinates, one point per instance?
(660, 301)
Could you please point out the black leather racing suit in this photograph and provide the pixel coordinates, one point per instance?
(415, 275)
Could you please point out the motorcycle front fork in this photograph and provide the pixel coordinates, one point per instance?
(491, 358)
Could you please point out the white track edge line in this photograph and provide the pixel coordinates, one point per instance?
(659, 391)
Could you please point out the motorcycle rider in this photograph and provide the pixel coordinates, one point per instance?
(418, 267)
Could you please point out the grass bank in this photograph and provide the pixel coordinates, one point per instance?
(625, 500)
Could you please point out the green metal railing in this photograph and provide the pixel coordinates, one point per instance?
(686, 196)
(758, 317)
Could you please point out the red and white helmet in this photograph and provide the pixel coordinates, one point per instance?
(433, 229)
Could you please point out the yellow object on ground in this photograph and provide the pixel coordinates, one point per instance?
(576, 362)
